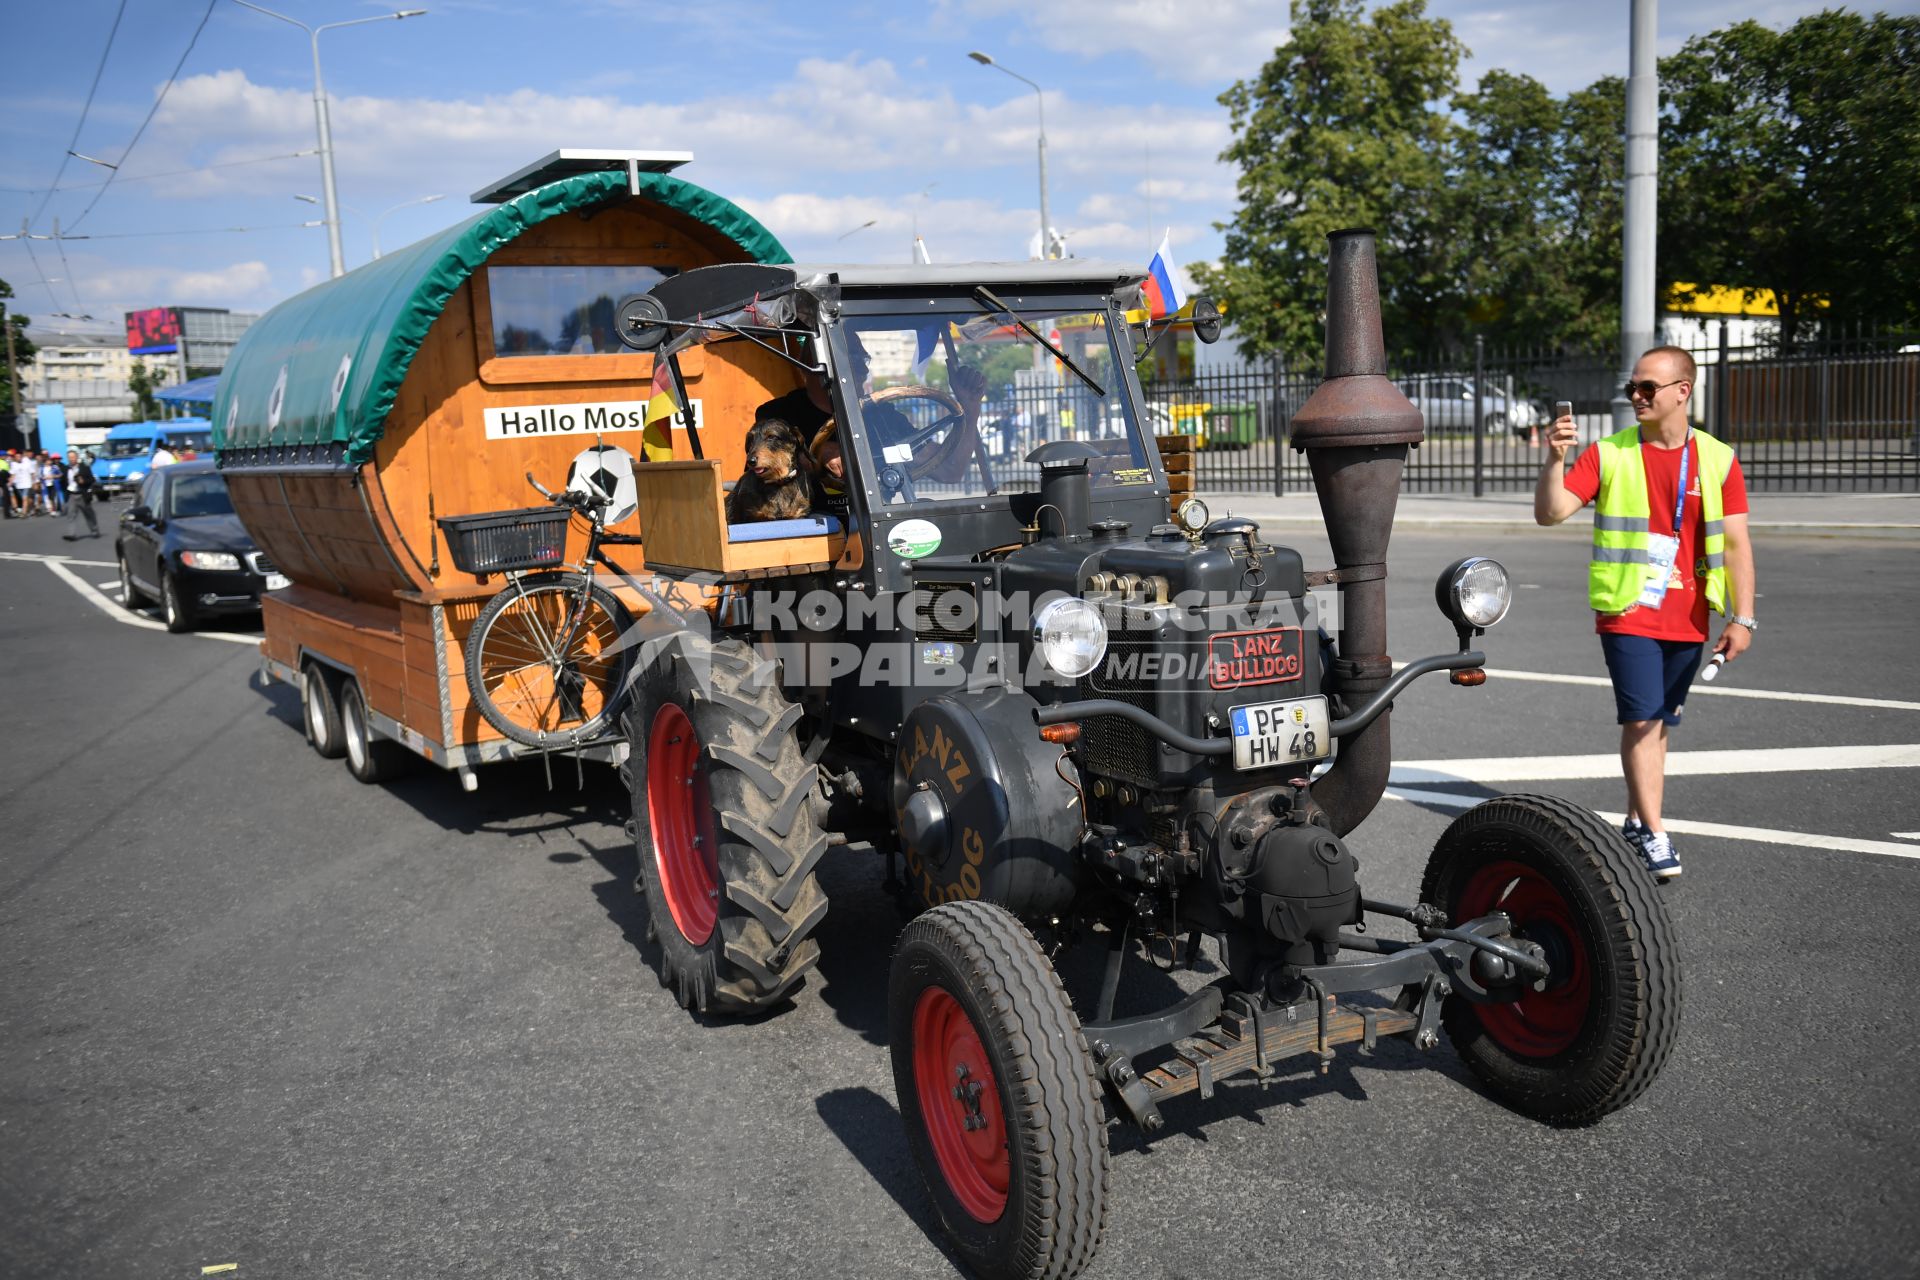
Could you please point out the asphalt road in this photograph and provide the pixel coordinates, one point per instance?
(255, 1012)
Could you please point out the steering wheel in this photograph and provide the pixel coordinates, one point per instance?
(922, 465)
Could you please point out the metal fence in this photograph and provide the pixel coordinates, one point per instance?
(1839, 414)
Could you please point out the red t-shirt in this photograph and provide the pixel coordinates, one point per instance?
(1682, 615)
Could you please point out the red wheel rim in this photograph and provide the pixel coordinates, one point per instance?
(1539, 1024)
(954, 1080)
(681, 819)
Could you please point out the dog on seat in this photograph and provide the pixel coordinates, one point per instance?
(778, 483)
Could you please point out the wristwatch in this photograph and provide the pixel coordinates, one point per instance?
(1736, 619)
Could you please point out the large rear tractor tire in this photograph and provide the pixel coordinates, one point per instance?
(726, 840)
(997, 1090)
(1596, 1036)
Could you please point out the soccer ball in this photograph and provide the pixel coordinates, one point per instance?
(606, 469)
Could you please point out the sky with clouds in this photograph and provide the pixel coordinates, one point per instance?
(843, 127)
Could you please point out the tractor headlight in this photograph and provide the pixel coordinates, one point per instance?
(1193, 515)
(1474, 592)
(1071, 635)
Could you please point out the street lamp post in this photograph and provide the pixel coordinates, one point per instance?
(404, 204)
(1046, 221)
(320, 116)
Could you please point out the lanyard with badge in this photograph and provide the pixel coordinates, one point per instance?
(1663, 548)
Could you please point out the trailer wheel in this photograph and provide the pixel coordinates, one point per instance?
(997, 1091)
(726, 839)
(370, 757)
(320, 711)
(1600, 1031)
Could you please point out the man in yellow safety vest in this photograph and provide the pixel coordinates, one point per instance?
(1669, 542)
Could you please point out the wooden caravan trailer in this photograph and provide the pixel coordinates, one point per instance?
(429, 383)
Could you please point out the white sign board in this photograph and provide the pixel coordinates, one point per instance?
(525, 421)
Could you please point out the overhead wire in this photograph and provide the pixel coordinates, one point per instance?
(84, 108)
(172, 173)
(189, 231)
(151, 111)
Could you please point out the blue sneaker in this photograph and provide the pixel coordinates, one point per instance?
(1661, 858)
(1635, 832)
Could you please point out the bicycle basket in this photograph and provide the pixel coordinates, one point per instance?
(496, 541)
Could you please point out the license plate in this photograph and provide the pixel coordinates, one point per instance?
(1270, 734)
(275, 581)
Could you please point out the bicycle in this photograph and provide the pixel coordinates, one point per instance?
(547, 658)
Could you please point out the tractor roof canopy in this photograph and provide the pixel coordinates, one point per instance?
(729, 287)
(323, 368)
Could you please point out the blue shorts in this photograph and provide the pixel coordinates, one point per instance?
(1650, 677)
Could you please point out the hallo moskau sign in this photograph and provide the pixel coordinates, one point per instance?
(523, 421)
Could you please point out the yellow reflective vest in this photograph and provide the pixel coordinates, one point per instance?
(1617, 571)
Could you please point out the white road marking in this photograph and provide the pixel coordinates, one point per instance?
(109, 586)
(42, 559)
(1685, 827)
(1905, 835)
(1680, 764)
(99, 601)
(120, 614)
(1717, 691)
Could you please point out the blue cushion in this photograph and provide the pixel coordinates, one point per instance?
(772, 530)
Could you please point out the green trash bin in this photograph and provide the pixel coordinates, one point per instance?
(1233, 426)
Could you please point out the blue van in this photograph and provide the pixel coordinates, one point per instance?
(126, 456)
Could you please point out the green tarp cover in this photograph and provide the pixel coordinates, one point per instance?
(323, 368)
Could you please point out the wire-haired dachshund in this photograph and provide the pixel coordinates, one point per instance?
(778, 483)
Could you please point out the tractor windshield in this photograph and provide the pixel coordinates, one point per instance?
(954, 401)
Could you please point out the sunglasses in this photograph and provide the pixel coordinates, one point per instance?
(1647, 389)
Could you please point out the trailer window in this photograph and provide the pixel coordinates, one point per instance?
(563, 311)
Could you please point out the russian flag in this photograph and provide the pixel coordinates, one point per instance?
(1164, 296)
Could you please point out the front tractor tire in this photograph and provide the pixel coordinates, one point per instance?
(1597, 1035)
(726, 840)
(997, 1091)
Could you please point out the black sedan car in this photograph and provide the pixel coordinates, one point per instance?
(182, 545)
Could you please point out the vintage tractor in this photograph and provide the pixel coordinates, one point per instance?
(1069, 718)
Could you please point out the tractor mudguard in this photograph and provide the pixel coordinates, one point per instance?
(986, 809)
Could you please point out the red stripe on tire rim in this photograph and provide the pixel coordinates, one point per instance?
(1539, 1024)
(681, 818)
(954, 1079)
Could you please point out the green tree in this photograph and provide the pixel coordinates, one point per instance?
(1534, 194)
(1342, 128)
(1592, 179)
(142, 382)
(1790, 162)
(23, 351)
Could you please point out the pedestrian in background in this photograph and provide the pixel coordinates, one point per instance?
(80, 491)
(1669, 542)
(6, 482)
(53, 483)
(162, 456)
(25, 483)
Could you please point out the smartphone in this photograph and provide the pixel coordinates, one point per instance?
(1562, 409)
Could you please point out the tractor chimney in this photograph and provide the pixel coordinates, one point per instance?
(1355, 431)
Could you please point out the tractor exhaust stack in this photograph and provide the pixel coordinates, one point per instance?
(1355, 431)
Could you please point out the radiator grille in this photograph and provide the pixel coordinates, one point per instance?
(1114, 747)
(946, 611)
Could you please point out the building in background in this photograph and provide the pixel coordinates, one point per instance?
(188, 342)
(85, 374)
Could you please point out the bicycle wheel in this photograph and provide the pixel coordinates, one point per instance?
(545, 664)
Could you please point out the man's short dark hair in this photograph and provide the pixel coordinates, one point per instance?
(1684, 358)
